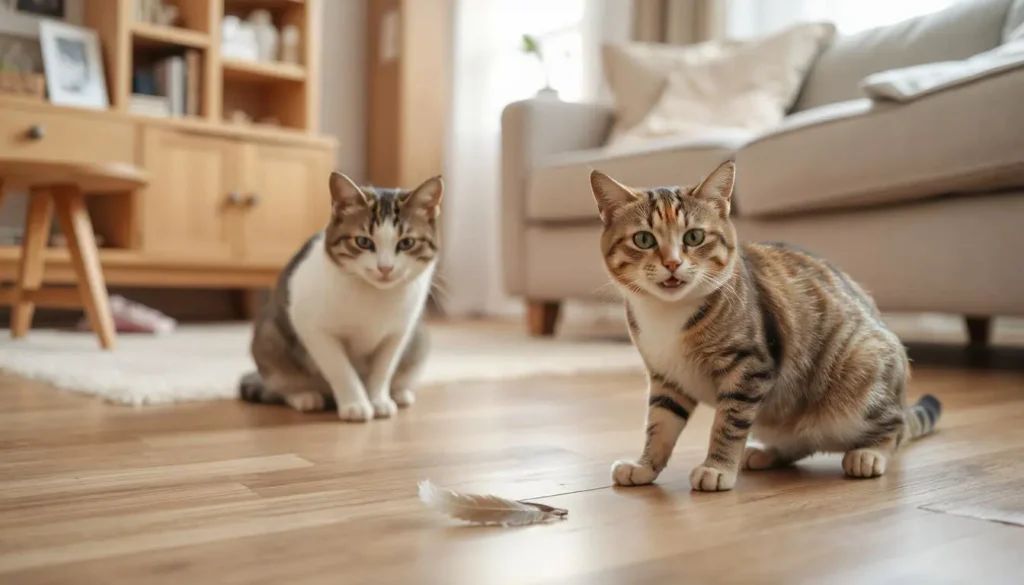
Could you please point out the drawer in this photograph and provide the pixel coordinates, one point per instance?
(66, 136)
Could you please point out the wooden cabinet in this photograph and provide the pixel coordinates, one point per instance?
(287, 200)
(185, 212)
(65, 136)
(216, 199)
(226, 205)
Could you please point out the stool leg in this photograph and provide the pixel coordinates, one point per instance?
(74, 220)
(33, 248)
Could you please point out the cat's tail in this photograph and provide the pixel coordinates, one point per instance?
(251, 388)
(922, 416)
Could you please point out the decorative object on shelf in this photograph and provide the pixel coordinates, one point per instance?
(531, 46)
(167, 15)
(155, 12)
(290, 45)
(22, 84)
(238, 39)
(50, 8)
(266, 34)
(17, 73)
(240, 117)
(74, 69)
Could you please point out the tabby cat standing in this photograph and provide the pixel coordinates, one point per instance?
(344, 326)
(788, 349)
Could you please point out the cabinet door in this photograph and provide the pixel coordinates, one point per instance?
(287, 200)
(185, 210)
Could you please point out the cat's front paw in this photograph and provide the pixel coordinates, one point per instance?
(628, 473)
(704, 478)
(355, 411)
(384, 407)
(864, 463)
(306, 401)
(403, 398)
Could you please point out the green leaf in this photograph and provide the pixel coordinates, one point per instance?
(530, 45)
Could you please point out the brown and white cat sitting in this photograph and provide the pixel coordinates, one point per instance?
(344, 322)
(786, 347)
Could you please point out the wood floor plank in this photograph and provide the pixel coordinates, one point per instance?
(228, 492)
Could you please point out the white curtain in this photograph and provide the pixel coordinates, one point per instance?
(489, 71)
(751, 18)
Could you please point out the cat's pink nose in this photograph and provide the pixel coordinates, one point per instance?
(385, 270)
(671, 265)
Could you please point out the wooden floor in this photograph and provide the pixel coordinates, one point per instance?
(231, 493)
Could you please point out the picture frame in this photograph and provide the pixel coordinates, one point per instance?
(48, 8)
(73, 65)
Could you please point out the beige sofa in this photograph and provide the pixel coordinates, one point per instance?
(921, 201)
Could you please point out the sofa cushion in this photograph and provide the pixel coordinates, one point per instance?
(958, 32)
(960, 140)
(559, 190)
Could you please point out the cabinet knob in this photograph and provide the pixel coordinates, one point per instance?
(234, 198)
(252, 200)
(36, 132)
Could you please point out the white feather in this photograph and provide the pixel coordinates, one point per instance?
(486, 509)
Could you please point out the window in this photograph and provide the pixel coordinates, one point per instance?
(752, 18)
(558, 26)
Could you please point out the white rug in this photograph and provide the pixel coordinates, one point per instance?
(205, 362)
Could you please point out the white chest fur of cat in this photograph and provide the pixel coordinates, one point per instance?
(325, 299)
(658, 341)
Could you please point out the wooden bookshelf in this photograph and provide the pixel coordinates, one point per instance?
(289, 93)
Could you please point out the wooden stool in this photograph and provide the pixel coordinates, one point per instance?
(63, 186)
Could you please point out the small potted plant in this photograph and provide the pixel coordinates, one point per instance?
(531, 46)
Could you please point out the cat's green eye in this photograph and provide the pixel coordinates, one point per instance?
(644, 240)
(406, 244)
(694, 237)
(364, 243)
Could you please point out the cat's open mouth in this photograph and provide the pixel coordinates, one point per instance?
(671, 282)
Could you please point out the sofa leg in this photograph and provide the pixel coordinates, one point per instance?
(979, 331)
(541, 317)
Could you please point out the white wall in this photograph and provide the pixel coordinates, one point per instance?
(343, 95)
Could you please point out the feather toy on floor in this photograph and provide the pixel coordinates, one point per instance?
(486, 509)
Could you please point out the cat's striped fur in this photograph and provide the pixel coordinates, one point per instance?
(788, 349)
(343, 326)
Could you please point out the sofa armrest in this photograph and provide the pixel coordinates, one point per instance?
(531, 131)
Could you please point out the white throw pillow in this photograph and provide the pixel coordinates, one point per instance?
(636, 73)
(747, 86)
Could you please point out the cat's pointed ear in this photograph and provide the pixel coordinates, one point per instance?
(428, 196)
(717, 187)
(719, 183)
(345, 193)
(609, 194)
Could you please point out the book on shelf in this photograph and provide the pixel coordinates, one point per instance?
(149, 105)
(176, 79)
